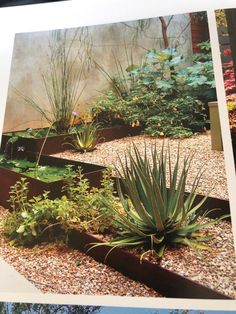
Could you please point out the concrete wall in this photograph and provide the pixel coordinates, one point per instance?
(99, 43)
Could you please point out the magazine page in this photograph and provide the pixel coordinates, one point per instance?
(117, 157)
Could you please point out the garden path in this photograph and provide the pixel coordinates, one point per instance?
(212, 162)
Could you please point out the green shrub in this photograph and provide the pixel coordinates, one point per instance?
(162, 92)
(109, 110)
(199, 77)
(90, 208)
(42, 219)
(39, 218)
(181, 117)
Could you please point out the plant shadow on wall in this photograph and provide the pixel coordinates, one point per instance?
(162, 95)
(62, 80)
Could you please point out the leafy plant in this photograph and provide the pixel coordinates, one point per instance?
(43, 219)
(39, 218)
(86, 138)
(156, 216)
(18, 196)
(199, 77)
(45, 173)
(94, 215)
(181, 117)
(109, 110)
(164, 96)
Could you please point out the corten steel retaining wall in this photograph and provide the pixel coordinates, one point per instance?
(8, 178)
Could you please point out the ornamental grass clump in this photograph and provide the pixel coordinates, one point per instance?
(62, 81)
(157, 214)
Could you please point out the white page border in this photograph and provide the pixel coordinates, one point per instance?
(76, 13)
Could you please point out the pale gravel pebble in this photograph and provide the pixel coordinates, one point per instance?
(53, 269)
(214, 268)
(108, 154)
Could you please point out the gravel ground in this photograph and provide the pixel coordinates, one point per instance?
(214, 268)
(55, 269)
(59, 269)
(213, 161)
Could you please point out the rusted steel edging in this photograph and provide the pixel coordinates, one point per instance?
(167, 283)
(8, 178)
(59, 143)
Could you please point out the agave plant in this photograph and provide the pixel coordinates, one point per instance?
(156, 216)
(86, 139)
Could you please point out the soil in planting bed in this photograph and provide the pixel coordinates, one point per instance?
(204, 157)
(59, 269)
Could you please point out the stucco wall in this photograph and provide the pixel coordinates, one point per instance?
(100, 43)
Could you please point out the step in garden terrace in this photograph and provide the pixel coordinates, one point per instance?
(56, 143)
(167, 283)
(36, 186)
(181, 273)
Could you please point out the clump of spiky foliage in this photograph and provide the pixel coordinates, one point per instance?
(158, 214)
(86, 139)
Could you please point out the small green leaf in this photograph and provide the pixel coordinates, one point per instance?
(21, 229)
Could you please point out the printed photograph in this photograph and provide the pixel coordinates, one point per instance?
(226, 27)
(112, 170)
(30, 308)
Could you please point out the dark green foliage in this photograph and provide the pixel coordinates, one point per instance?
(181, 117)
(200, 76)
(164, 96)
(34, 308)
(109, 110)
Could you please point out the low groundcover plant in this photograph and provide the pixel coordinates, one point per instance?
(32, 221)
(156, 216)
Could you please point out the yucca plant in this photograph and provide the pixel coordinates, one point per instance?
(87, 138)
(158, 214)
